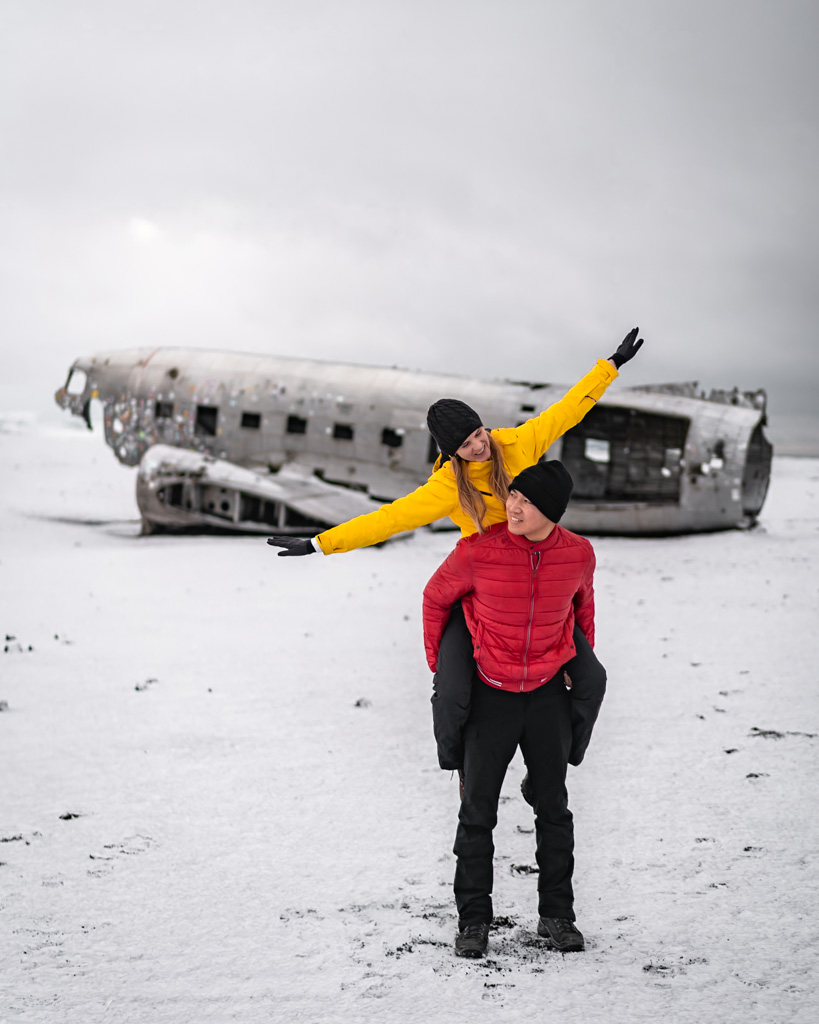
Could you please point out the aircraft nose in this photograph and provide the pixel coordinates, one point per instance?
(74, 394)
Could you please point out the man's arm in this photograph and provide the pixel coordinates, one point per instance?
(584, 602)
(450, 581)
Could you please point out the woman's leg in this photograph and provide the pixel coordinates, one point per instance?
(452, 690)
(588, 689)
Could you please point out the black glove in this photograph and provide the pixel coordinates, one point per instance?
(292, 545)
(627, 349)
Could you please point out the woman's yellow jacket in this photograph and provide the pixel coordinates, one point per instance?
(438, 497)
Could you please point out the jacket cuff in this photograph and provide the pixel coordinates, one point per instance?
(608, 374)
(611, 371)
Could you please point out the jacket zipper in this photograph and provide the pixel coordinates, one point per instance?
(534, 558)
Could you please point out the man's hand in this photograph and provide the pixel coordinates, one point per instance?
(627, 349)
(292, 545)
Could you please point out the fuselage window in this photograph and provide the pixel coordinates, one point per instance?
(164, 410)
(296, 425)
(252, 420)
(597, 449)
(206, 419)
(527, 408)
(343, 431)
(391, 438)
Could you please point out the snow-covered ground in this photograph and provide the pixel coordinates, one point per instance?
(220, 800)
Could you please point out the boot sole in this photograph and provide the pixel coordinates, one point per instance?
(470, 954)
(573, 947)
(551, 944)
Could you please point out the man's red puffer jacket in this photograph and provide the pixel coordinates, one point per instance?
(520, 601)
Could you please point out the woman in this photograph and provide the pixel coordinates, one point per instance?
(470, 484)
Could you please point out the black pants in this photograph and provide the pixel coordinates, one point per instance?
(540, 723)
(453, 682)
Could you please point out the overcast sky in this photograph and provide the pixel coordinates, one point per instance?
(500, 189)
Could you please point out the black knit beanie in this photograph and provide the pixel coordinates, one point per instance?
(451, 422)
(547, 485)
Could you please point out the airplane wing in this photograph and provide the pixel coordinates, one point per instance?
(178, 488)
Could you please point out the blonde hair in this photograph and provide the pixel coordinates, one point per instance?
(469, 497)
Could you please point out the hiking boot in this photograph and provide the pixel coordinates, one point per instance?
(560, 933)
(526, 790)
(472, 940)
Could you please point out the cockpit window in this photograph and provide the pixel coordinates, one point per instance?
(77, 379)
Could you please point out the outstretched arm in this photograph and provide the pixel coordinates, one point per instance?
(435, 499)
(537, 435)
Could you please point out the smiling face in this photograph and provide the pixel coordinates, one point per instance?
(476, 447)
(526, 520)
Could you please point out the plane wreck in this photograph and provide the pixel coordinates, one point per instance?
(254, 443)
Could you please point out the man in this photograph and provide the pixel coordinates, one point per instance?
(523, 584)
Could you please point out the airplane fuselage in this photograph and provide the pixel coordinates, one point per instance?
(644, 460)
